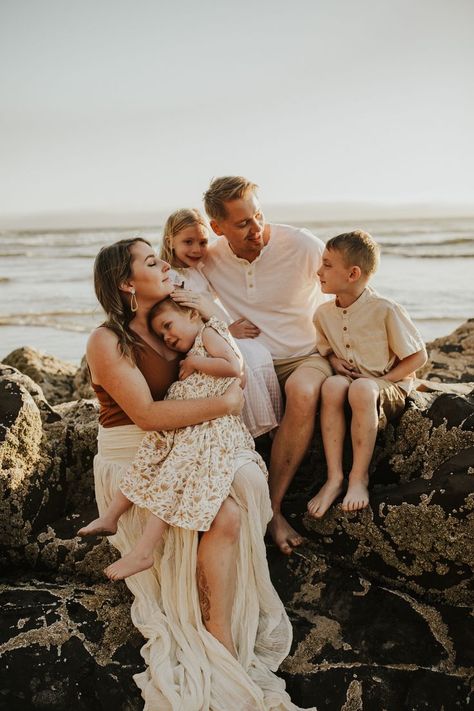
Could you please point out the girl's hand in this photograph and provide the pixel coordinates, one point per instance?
(242, 328)
(234, 399)
(342, 367)
(200, 302)
(187, 367)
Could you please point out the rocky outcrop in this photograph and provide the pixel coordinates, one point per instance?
(54, 376)
(451, 358)
(359, 592)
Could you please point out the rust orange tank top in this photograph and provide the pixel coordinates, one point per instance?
(158, 372)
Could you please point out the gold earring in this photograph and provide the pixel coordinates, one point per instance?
(133, 301)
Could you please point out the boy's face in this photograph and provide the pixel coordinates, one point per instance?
(333, 273)
(178, 330)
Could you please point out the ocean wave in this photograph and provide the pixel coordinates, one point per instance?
(80, 320)
(433, 242)
(420, 255)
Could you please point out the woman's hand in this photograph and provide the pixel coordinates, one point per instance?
(242, 328)
(342, 367)
(202, 303)
(234, 399)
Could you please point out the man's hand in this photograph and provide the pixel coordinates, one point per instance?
(342, 367)
(242, 328)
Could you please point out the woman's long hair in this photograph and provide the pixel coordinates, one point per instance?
(176, 222)
(112, 267)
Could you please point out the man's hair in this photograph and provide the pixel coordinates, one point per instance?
(357, 248)
(161, 306)
(222, 190)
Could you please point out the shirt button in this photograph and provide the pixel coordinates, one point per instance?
(350, 360)
(347, 345)
(344, 328)
(344, 312)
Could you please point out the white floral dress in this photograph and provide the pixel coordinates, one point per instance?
(184, 475)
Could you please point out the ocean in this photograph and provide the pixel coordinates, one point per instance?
(47, 299)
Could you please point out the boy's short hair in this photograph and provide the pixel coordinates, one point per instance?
(358, 248)
(161, 305)
(222, 190)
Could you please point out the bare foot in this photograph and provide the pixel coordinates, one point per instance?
(129, 565)
(283, 534)
(357, 496)
(327, 494)
(99, 527)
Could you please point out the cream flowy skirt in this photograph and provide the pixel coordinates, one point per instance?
(187, 668)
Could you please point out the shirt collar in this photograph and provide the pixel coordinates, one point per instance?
(360, 301)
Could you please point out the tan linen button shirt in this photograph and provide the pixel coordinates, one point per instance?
(372, 334)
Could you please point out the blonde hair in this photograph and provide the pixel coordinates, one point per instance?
(357, 248)
(222, 190)
(113, 266)
(175, 223)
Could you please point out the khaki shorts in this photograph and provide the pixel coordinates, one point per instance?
(391, 400)
(284, 367)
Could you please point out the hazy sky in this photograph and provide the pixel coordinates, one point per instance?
(129, 105)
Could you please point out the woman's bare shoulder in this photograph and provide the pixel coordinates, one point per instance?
(102, 345)
(102, 337)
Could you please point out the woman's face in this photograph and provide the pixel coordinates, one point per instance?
(150, 275)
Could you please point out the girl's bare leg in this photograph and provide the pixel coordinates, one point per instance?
(216, 573)
(141, 556)
(106, 525)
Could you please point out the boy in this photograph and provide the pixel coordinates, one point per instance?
(374, 349)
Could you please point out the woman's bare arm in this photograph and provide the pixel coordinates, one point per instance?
(127, 386)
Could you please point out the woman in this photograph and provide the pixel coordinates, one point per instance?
(214, 624)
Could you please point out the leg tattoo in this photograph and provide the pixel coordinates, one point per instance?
(204, 594)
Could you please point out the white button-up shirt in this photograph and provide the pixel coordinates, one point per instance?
(279, 291)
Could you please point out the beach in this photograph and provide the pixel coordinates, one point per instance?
(47, 299)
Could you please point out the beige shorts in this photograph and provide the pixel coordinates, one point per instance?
(284, 367)
(391, 400)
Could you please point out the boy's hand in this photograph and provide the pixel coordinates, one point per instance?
(187, 367)
(242, 328)
(342, 367)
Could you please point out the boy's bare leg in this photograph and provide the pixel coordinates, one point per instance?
(363, 398)
(333, 428)
(141, 556)
(291, 442)
(106, 525)
(216, 573)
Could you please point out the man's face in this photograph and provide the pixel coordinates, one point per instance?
(243, 227)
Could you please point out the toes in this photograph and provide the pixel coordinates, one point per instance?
(286, 548)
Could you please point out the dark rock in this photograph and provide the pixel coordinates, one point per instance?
(452, 409)
(64, 647)
(361, 646)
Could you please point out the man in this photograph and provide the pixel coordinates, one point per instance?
(266, 274)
